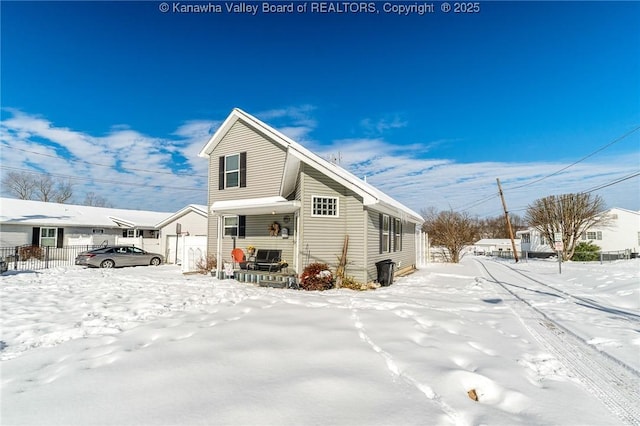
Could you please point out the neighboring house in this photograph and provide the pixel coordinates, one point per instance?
(37, 223)
(268, 191)
(620, 234)
(190, 222)
(494, 245)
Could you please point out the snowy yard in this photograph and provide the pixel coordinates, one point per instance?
(149, 346)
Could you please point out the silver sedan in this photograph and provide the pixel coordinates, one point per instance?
(116, 256)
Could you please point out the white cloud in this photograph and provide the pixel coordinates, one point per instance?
(130, 157)
(403, 172)
(382, 125)
(296, 122)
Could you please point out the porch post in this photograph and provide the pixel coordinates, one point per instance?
(296, 249)
(219, 247)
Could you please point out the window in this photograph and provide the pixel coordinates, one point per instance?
(384, 242)
(397, 240)
(594, 235)
(233, 171)
(234, 226)
(97, 231)
(230, 226)
(525, 238)
(48, 237)
(324, 206)
(131, 233)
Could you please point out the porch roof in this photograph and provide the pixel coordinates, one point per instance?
(255, 206)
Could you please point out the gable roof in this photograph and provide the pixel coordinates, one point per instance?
(296, 153)
(195, 208)
(39, 213)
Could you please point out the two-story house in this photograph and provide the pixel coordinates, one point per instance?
(268, 191)
(621, 233)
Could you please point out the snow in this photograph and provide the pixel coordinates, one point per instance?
(150, 346)
(29, 212)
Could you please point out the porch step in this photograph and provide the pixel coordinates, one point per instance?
(272, 283)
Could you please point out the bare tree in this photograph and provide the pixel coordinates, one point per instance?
(28, 186)
(568, 214)
(48, 190)
(21, 185)
(495, 227)
(92, 199)
(451, 230)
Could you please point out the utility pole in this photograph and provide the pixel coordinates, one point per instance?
(506, 216)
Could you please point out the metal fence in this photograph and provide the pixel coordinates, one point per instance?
(30, 258)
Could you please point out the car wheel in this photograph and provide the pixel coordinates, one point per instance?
(107, 263)
(156, 261)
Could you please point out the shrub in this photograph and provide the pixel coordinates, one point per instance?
(350, 283)
(586, 251)
(207, 264)
(316, 276)
(28, 252)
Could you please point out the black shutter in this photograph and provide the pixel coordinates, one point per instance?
(381, 248)
(124, 234)
(35, 236)
(221, 173)
(60, 238)
(400, 223)
(242, 226)
(243, 170)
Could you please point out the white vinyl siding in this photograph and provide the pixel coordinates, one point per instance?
(264, 165)
(323, 237)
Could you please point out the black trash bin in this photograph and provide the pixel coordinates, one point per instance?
(385, 271)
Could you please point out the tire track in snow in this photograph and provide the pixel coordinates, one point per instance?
(395, 370)
(630, 316)
(609, 380)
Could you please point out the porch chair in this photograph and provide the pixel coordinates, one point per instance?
(238, 257)
(268, 260)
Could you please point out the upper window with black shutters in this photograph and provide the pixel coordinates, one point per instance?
(233, 171)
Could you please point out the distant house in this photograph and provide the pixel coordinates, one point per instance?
(494, 245)
(620, 234)
(37, 223)
(188, 224)
(268, 191)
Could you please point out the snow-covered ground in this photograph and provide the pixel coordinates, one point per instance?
(150, 346)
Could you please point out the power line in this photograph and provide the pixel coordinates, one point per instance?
(115, 182)
(622, 179)
(102, 165)
(481, 201)
(580, 160)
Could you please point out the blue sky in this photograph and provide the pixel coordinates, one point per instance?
(431, 108)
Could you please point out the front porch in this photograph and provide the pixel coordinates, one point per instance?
(284, 279)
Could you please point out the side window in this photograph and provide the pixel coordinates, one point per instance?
(384, 233)
(397, 236)
(324, 206)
